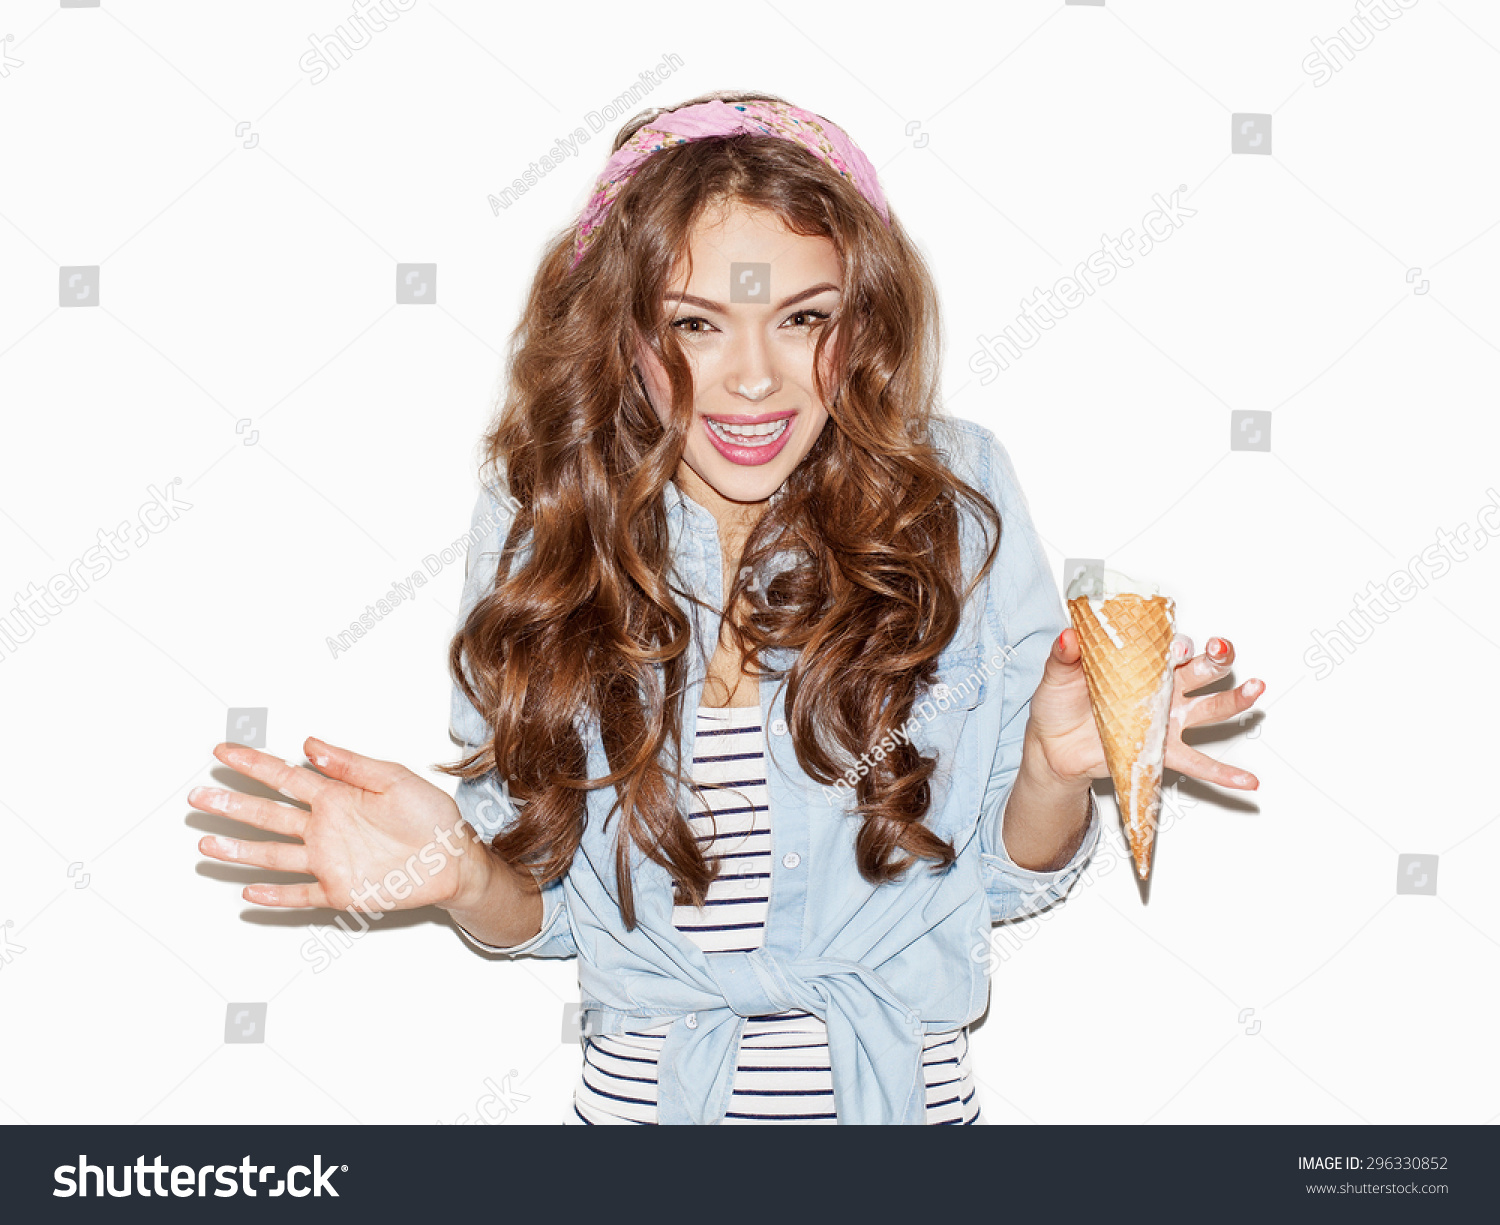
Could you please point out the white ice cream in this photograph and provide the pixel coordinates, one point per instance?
(1104, 624)
(1113, 583)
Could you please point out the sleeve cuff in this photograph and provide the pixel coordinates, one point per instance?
(1090, 837)
(1015, 891)
(555, 939)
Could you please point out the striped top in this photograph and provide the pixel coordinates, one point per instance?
(783, 1074)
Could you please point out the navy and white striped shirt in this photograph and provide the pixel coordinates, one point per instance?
(783, 1074)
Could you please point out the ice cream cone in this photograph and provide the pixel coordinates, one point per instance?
(1126, 642)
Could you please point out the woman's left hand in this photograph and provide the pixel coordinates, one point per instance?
(1062, 731)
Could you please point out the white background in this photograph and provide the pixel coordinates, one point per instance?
(1274, 976)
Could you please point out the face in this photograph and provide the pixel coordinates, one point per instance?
(756, 412)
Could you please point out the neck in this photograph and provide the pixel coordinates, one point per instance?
(735, 519)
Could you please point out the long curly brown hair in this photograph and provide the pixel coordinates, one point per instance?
(582, 620)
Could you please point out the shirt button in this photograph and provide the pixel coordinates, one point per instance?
(791, 859)
(778, 727)
(691, 1020)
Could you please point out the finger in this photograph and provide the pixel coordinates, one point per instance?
(278, 856)
(1206, 668)
(366, 773)
(251, 809)
(286, 777)
(1189, 761)
(285, 895)
(1182, 648)
(1065, 647)
(1216, 707)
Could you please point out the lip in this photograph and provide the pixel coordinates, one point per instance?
(748, 457)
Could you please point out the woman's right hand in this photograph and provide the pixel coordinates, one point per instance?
(370, 820)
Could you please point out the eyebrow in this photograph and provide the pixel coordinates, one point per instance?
(690, 300)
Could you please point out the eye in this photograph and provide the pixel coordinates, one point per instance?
(818, 316)
(704, 324)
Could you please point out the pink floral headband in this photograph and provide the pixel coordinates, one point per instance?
(710, 119)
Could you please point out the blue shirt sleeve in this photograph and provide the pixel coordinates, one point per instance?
(485, 802)
(1025, 614)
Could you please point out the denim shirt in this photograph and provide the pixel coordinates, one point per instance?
(882, 965)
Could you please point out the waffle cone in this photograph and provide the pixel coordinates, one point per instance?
(1130, 689)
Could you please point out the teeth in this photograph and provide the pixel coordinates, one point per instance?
(750, 435)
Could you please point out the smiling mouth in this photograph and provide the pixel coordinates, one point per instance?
(759, 434)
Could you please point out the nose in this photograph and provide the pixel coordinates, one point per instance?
(750, 372)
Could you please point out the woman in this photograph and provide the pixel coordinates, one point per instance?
(776, 862)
